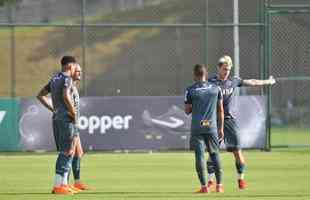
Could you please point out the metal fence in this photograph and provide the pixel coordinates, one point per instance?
(126, 47)
(287, 56)
(148, 47)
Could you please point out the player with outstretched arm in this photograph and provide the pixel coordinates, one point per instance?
(232, 138)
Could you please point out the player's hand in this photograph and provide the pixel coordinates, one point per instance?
(271, 80)
(70, 152)
(221, 135)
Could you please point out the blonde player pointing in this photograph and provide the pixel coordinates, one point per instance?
(231, 135)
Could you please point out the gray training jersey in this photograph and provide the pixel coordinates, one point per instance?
(204, 98)
(228, 88)
(76, 100)
(56, 86)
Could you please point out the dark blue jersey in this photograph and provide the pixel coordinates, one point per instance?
(204, 98)
(56, 87)
(228, 88)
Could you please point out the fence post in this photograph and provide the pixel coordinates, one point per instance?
(236, 40)
(206, 22)
(12, 39)
(84, 44)
(267, 58)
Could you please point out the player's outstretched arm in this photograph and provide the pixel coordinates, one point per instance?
(220, 111)
(69, 103)
(256, 82)
(42, 97)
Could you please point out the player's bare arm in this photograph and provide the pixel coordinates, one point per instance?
(69, 103)
(188, 109)
(220, 111)
(255, 82)
(43, 98)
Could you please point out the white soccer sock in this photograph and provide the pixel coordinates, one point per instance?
(211, 176)
(58, 180)
(241, 176)
(65, 179)
(77, 181)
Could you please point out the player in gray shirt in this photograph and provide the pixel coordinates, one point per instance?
(78, 150)
(204, 101)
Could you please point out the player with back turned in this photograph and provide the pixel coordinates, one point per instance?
(204, 101)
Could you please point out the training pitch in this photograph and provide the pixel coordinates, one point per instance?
(281, 174)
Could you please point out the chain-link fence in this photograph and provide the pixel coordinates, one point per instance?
(148, 47)
(288, 49)
(126, 47)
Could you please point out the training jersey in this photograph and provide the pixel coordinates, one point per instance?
(76, 100)
(56, 87)
(204, 98)
(228, 89)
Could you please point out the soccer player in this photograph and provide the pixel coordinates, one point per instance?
(232, 139)
(204, 101)
(78, 150)
(64, 119)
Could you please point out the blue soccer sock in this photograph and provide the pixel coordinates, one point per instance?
(240, 167)
(68, 166)
(76, 166)
(63, 165)
(60, 164)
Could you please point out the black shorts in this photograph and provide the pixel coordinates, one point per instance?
(231, 136)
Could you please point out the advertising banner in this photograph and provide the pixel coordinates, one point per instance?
(9, 115)
(132, 123)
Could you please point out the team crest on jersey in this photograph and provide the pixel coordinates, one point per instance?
(205, 123)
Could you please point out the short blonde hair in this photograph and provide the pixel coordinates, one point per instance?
(226, 59)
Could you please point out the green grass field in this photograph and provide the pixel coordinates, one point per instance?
(280, 174)
(290, 136)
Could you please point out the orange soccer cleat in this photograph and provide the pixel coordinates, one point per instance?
(63, 190)
(210, 184)
(203, 189)
(242, 184)
(219, 188)
(81, 186)
(74, 189)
